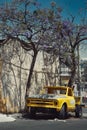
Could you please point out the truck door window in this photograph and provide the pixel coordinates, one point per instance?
(69, 92)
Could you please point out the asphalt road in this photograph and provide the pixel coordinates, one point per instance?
(46, 122)
(52, 124)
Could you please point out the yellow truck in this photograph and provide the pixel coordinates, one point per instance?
(56, 100)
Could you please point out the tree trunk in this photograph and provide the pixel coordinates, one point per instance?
(73, 70)
(72, 78)
(31, 72)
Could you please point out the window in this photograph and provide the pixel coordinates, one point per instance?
(69, 92)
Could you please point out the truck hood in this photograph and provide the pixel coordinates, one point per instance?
(48, 96)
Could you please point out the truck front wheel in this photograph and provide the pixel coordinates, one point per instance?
(63, 112)
(32, 112)
(78, 111)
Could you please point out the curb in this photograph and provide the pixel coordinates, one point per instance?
(84, 115)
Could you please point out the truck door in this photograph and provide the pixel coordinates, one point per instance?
(71, 100)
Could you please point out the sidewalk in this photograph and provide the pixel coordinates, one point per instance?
(84, 115)
(13, 117)
(6, 118)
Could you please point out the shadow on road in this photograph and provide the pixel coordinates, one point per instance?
(41, 116)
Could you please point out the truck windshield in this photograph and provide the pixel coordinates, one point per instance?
(62, 91)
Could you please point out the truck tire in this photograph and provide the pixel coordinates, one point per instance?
(32, 112)
(78, 111)
(63, 112)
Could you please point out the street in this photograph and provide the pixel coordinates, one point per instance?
(46, 122)
(27, 124)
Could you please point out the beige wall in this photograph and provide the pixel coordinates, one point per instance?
(14, 79)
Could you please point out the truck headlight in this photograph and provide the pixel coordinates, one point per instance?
(55, 102)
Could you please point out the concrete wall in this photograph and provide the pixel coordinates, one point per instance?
(15, 74)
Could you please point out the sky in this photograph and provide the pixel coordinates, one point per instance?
(70, 7)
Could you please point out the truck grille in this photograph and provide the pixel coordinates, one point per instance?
(42, 102)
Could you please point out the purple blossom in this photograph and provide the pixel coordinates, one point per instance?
(45, 46)
(15, 32)
(84, 30)
(27, 34)
(65, 24)
(37, 4)
(46, 20)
